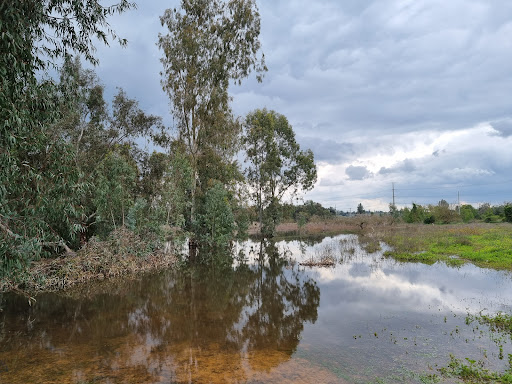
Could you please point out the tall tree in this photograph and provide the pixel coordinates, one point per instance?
(276, 164)
(209, 44)
(38, 185)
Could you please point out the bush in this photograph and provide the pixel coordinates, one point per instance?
(217, 223)
(492, 218)
(430, 219)
(508, 213)
(468, 213)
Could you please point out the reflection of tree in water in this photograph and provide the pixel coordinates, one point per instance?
(282, 301)
(221, 319)
(195, 326)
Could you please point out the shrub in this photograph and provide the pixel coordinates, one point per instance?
(508, 213)
(430, 219)
(217, 223)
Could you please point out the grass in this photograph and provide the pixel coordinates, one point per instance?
(472, 371)
(485, 245)
(501, 322)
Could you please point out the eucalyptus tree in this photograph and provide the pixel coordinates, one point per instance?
(116, 178)
(39, 186)
(277, 165)
(87, 122)
(103, 140)
(209, 44)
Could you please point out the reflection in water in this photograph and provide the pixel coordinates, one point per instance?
(261, 321)
(201, 326)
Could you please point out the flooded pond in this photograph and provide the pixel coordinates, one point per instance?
(267, 320)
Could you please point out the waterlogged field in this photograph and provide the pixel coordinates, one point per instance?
(485, 245)
(270, 319)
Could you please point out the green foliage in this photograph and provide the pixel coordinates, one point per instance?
(429, 219)
(500, 322)
(393, 210)
(467, 213)
(443, 214)
(305, 211)
(472, 371)
(302, 218)
(115, 182)
(40, 189)
(217, 224)
(360, 209)
(277, 165)
(416, 214)
(178, 182)
(508, 213)
(486, 246)
(490, 218)
(94, 131)
(484, 210)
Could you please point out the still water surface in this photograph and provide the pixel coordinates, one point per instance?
(266, 320)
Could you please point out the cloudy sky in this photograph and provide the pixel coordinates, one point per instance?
(411, 92)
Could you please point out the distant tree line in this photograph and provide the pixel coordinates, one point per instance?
(442, 213)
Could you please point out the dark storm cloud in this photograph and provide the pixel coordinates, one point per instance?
(503, 127)
(406, 166)
(357, 172)
(390, 64)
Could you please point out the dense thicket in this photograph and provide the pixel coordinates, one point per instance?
(40, 186)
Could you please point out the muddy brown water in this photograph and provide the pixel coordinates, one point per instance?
(266, 320)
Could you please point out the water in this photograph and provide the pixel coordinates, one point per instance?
(266, 320)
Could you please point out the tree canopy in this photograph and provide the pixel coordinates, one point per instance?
(209, 44)
(276, 164)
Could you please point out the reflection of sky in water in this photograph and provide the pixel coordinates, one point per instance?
(374, 283)
(379, 313)
(367, 317)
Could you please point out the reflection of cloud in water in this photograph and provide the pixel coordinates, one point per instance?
(372, 282)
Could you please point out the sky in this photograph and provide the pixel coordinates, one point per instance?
(410, 96)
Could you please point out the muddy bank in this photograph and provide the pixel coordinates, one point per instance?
(123, 254)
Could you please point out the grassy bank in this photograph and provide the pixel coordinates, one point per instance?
(485, 245)
(122, 254)
(322, 227)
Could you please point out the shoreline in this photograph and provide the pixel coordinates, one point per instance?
(126, 255)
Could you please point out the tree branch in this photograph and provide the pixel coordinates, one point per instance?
(60, 243)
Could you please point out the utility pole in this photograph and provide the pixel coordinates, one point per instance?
(393, 184)
(458, 201)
